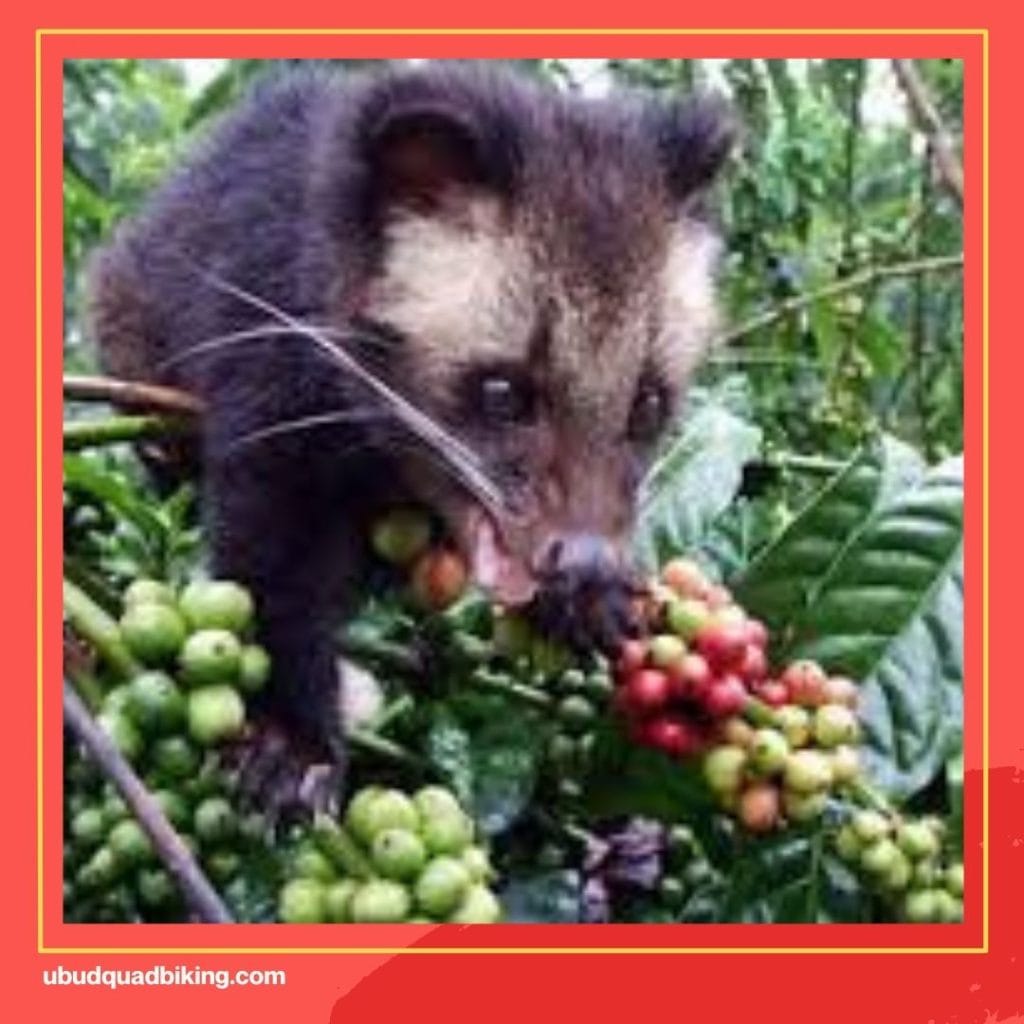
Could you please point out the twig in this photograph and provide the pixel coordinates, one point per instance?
(927, 119)
(919, 323)
(176, 856)
(758, 713)
(930, 264)
(392, 654)
(335, 841)
(816, 464)
(130, 394)
(389, 713)
(78, 666)
(866, 794)
(92, 624)
(117, 429)
(388, 750)
(518, 691)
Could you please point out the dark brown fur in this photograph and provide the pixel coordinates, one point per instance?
(567, 229)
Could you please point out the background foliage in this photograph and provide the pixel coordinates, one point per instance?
(832, 182)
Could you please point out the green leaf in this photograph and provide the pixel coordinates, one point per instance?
(868, 580)
(105, 487)
(902, 467)
(551, 897)
(493, 769)
(778, 585)
(879, 340)
(448, 749)
(693, 482)
(889, 612)
(782, 581)
(631, 780)
(505, 762)
(791, 877)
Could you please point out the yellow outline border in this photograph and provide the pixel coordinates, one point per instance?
(541, 950)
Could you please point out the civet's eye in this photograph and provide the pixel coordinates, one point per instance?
(648, 415)
(504, 400)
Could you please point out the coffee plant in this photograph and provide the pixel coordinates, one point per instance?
(783, 740)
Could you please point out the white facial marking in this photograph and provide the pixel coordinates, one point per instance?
(690, 312)
(456, 287)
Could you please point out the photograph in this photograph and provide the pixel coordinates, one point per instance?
(514, 491)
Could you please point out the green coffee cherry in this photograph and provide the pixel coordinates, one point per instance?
(723, 769)
(478, 864)
(804, 807)
(217, 604)
(215, 820)
(577, 714)
(921, 906)
(155, 887)
(870, 826)
(383, 809)
(223, 865)
(954, 879)
(153, 633)
(129, 843)
(211, 657)
(89, 827)
(215, 714)
(398, 853)
(768, 752)
(808, 771)
(401, 535)
(917, 840)
(449, 833)
(146, 591)
(478, 906)
(835, 724)
(338, 900)
(155, 703)
(848, 844)
(795, 723)
(380, 901)
(174, 758)
(880, 857)
(301, 901)
(254, 669)
(309, 862)
(442, 886)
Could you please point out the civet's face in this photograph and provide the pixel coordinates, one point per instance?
(552, 290)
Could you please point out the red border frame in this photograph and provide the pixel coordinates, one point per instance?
(589, 981)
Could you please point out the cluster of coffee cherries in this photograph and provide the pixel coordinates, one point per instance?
(903, 857)
(785, 764)
(700, 664)
(773, 746)
(698, 668)
(580, 697)
(403, 537)
(395, 858)
(195, 667)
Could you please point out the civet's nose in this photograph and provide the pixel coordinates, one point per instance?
(580, 555)
(585, 593)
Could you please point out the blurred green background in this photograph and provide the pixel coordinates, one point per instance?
(842, 283)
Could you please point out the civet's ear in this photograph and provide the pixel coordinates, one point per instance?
(425, 154)
(696, 137)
